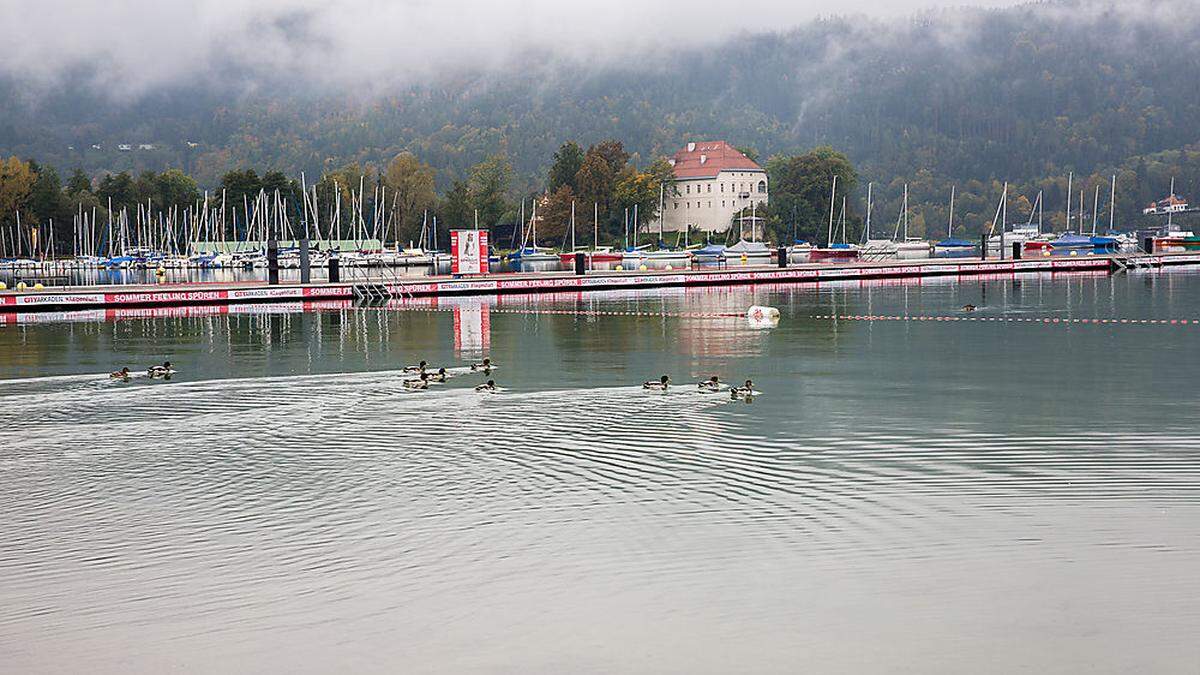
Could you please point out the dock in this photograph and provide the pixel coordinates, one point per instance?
(373, 285)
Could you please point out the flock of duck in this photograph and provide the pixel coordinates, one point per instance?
(712, 385)
(164, 372)
(425, 375)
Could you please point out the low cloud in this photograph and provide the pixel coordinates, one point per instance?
(127, 47)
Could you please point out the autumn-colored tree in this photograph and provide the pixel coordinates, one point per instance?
(16, 183)
(410, 194)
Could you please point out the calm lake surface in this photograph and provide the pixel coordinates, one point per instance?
(903, 496)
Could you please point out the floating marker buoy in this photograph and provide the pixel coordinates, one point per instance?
(39, 287)
(1074, 252)
(3, 286)
(620, 268)
(762, 317)
(669, 268)
(643, 268)
(21, 286)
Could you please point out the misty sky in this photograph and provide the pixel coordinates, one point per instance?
(137, 44)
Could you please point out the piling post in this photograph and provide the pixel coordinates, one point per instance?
(983, 242)
(782, 256)
(334, 270)
(1148, 244)
(1017, 249)
(305, 263)
(580, 264)
(272, 262)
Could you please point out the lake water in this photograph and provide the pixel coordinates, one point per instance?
(913, 496)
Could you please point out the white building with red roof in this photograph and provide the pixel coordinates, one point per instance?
(714, 181)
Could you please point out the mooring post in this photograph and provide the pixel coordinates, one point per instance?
(580, 264)
(782, 256)
(1016, 250)
(272, 262)
(334, 272)
(305, 263)
(983, 246)
(1148, 244)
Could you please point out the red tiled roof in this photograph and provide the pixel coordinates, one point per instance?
(717, 156)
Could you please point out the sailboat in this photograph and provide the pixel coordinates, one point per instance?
(753, 252)
(663, 254)
(1175, 238)
(877, 248)
(905, 244)
(531, 252)
(835, 251)
(951, 247)
(597, 253)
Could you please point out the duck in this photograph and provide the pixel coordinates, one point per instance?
(968, 308)
(419, 368)
(439, 376)
(745, 391)
(485, 366)
(422, 383)
(160, 371)
(710, 385)
(490, 385)
(122, 374)
(661, 385)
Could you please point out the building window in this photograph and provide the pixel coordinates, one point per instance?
(722, 187)
(676, 204)
(689, 189)
(722, 203)
(710, 187)
(762, 187)
(710, 205)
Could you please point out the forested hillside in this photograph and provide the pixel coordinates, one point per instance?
(965, 97)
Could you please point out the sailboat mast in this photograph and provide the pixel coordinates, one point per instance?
(1112, 203)
(1070, 177)
(832, 198)
(950, 227)
(867, 231)
(596, 224)
(1095, 209)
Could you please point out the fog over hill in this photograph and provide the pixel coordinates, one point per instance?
(911, 92)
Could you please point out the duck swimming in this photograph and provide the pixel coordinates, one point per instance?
(439, 376)
(422, 383)
(968, 308)
(122, 374)
(745, 391)
(710, 385)
(661, 385)
(419, 368)
(485, 366)
(160, 371)
(490, 385)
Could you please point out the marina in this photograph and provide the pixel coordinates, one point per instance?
(366, 287)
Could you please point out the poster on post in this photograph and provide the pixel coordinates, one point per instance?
(469, 252)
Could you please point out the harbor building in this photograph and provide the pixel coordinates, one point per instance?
(714, 181)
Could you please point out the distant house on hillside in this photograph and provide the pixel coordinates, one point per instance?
(1172, 204)
(145, 146)
(124, 147)
(714, 181)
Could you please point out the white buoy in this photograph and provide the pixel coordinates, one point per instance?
(759, 316)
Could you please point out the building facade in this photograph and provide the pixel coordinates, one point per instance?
(714, 181)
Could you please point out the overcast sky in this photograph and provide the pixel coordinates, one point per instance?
(136, 44)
